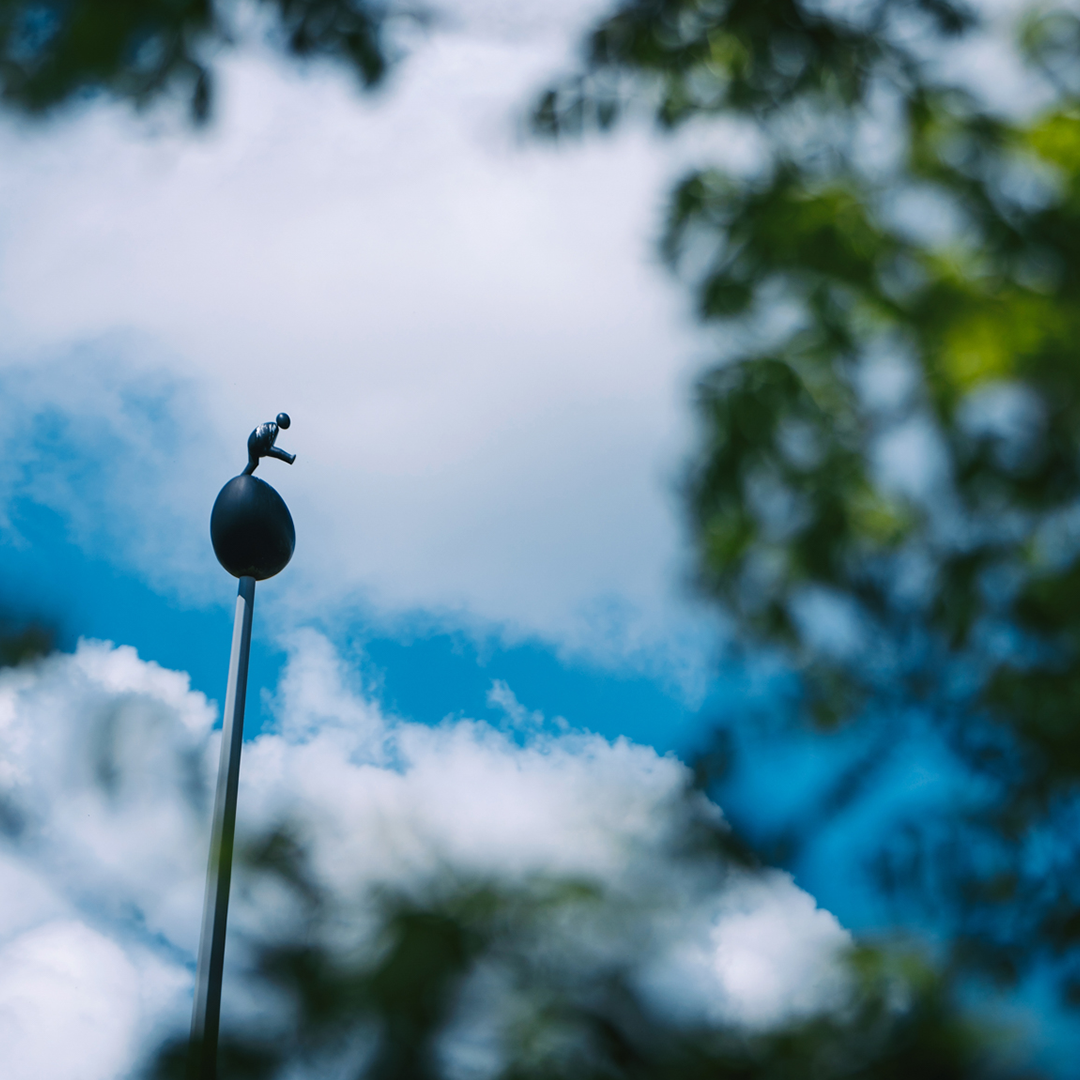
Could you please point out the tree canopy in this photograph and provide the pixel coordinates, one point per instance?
(888, 478)
(52, 51)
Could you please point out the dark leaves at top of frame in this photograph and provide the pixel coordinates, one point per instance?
(56, 51)
(688, 58)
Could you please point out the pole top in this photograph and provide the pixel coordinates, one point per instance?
(250, 526)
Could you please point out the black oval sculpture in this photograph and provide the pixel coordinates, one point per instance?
(251, 529)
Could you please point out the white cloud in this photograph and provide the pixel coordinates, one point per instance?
(68, 999)
(768, 946)
(107, 763)
(485, 369)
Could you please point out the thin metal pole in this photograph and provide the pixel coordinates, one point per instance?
(206, 1013)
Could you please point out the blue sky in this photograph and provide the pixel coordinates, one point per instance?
(429, 669)
(489, 378)
(425, 673)
(487, 371)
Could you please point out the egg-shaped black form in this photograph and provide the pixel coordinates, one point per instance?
(251, 529)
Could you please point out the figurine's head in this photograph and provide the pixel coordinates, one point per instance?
(283, 420)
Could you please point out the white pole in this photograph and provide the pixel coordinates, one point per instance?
(206, 1012)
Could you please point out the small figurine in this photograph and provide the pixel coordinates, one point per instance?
(261, 443)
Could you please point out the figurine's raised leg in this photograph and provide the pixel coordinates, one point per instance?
(281, 455)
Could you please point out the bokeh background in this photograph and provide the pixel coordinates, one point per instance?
(677, 671)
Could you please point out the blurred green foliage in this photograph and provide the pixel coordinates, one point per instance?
(22, 642)
(54, 51)
(887, 490)
(461, 977)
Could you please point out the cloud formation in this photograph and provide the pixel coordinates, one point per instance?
(106, 765)
(485, 369)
